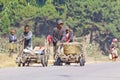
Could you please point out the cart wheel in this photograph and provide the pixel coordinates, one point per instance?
(28, 62)
(82, 61)
(68, 63)
(43, 60)
(19, 64)
(23, 64)
(58, 62)
(18, 61)
(46, 60)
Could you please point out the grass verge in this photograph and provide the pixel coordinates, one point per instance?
(6, 61)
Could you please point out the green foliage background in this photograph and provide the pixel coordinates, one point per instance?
(78, 14)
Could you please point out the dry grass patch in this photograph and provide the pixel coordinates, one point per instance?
(6, 61)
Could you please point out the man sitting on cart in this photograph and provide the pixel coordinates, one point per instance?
(68, 36)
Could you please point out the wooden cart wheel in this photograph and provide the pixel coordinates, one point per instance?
(58, 62)
(82, 61)
(43, 60)
(46, 60)
(67, 63)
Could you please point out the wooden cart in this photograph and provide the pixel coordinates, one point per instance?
(69, 53)
(25, 58)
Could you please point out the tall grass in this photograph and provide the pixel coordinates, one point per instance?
(6, 61)
(4, 45)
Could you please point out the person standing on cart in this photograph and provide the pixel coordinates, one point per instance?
(58, 35)
(68, 36)
(27, 37)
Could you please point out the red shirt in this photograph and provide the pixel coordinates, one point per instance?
(67, 37)
(49, 38)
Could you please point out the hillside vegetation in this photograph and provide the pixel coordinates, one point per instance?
(98, 18)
